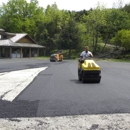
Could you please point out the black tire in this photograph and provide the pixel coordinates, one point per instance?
(78, 70)
(56, 60)
(83, 80)
(98, 81)
(79, 77)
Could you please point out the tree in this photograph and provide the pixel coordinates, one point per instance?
(70, 37)
(94, 22)
(20, 16)
(48, 30)
(115, 20)
(122, 38)
(126, 8)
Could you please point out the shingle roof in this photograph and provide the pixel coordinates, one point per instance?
(2, 30)
(13, 41)
(27, 45)
(12, 44)
(17, 37)
(5, 42)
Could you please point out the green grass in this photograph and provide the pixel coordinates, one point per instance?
(112, 60)
(96, 59)
(119, 60)
(43, 57)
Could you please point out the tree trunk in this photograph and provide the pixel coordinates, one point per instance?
(106, 40)
(103, 47)
(69, 53)
(95, 44)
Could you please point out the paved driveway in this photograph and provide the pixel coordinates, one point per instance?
(57, 100)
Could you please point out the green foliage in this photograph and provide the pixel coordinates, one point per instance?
(126, 8)
(99, 48)
(119, 57)
(122, 39)
(20, 16)
(70, 37)
(48, 30)
(71, 30)
(54, 52)
(127, 56)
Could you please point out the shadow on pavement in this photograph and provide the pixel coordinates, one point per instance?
(53, 108)
(59, 108)
(80, 82)
(18, 109)
(76, 81)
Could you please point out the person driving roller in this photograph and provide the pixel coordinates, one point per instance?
(85, 54)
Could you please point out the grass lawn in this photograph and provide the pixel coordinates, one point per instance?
(43, 58)
(112, 60)
(96, 59)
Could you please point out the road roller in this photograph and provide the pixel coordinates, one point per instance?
(89, 71)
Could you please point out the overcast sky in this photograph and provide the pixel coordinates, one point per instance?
(78, 5)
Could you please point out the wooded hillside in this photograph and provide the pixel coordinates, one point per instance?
(67, 30)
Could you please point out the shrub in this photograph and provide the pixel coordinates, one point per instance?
(127, 56)
(118, 57)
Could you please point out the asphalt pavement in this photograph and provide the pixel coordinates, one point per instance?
(59, 93)
(56, 91)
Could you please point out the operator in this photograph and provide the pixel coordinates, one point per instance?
(85, 54)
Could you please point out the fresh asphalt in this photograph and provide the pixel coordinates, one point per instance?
(56, 91)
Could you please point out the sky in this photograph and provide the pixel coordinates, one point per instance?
(78, 5)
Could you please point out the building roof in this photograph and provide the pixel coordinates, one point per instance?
(4, 42)
(12, 42)
(17, 37)
(2, 30)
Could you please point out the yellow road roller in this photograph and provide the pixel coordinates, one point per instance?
(89, 71)
(56, 57)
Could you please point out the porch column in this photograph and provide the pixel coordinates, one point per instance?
(21, 53)
(37, 52)
(29, 52)
(10, 52)
(5, 52)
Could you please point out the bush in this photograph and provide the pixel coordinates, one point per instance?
(118, 57)
(54, 51)
(99, 48)
(127, 56)
(74, 57)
